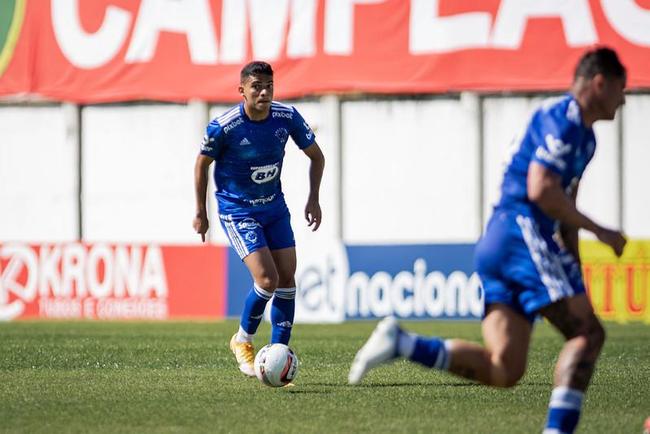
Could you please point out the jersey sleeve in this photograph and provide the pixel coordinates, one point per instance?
(555, 141)
(212, 140)
(300, 132)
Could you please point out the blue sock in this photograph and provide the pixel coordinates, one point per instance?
(283, 308)
(254, 309)
(431, 352)
(563, 411)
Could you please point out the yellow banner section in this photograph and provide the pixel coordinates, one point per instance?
(619, 288)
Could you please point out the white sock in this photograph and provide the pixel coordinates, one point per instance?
(242, 336)
(406, 344)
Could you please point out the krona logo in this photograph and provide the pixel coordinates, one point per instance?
(75, 272)
(11, 20)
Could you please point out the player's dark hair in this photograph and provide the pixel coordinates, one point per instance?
(255, 68)
(601, 60)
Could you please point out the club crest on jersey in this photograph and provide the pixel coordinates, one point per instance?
(251, 236)
(282, 134)
(264, 174)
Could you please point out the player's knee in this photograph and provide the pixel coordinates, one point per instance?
(268, 282)
(512, 377)
(507, 373)
(596, 337)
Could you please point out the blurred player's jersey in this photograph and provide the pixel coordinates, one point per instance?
(249, 154)
(556, 138)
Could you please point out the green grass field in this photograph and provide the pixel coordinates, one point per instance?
(180, 377)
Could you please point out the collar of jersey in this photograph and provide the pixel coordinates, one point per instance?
(247, 119)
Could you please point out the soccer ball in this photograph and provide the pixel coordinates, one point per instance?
(276, 365)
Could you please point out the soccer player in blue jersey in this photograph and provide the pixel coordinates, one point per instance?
(528, 258)
(247, 143)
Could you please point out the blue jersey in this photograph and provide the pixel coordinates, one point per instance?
(249, 154)
(556, 138)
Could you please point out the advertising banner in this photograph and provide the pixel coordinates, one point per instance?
(366, 282)
(92, 51)
(337, 282)
(619, 288)
(111, 282)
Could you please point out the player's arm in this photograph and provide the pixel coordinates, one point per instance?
(316, 167)
(569, 233)
(544, 188)
(200, 222)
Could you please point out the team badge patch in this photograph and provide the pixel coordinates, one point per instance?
(282, 134)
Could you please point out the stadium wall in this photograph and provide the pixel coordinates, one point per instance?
(407, 190)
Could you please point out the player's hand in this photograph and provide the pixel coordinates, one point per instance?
(313, 214)
(201, 225)
(614, 239)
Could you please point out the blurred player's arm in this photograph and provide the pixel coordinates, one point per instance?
(312, 209)
(569, 233)
(545, 190)
(201, 166)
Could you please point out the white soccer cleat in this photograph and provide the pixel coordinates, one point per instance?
(380, 348)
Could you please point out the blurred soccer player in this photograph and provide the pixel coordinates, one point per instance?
(247, 142)
(528, 258)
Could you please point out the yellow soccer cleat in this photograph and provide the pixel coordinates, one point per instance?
(245, 355)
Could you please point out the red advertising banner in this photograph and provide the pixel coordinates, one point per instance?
(91, 51)
(102, 281)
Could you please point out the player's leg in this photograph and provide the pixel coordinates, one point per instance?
(575, 319)
(500, 363)
(280, 239)
(262, 268)
(247, 238)
(283, 306)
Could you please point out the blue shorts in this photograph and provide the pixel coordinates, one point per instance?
(250, 230)
(522, 268)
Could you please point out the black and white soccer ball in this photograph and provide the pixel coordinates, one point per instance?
(276, 365)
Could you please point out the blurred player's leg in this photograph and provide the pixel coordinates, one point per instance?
(262, 268)
(283, 305)
(585, 336)
(501, 363)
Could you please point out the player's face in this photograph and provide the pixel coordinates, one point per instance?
(610, 93)
(257, 91)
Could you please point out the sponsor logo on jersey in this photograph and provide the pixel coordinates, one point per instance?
(232, 125)
(11, 21)
(245, 142)
(282, 134)
(286, 115)
(261, 200)
(248, 224)
(573, 112)
(310, 133)
(264, 174)
(556, 150)
(205, 144)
